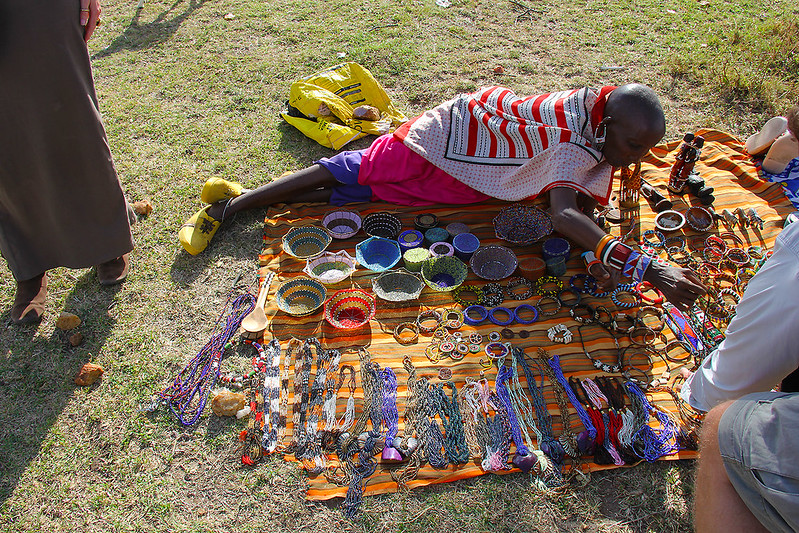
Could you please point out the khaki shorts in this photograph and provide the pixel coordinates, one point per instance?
(759, 439)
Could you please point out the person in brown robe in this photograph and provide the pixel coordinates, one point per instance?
(61, 202)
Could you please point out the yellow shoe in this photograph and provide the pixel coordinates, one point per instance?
(217, 189)
(198, 231)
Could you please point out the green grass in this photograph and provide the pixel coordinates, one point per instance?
(187, 95)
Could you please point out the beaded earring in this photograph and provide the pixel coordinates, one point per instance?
(599, 138)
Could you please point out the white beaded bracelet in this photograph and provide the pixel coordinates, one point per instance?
(559, 333)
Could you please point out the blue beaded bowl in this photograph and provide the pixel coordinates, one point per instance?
(444, 274)
(300, 296)
(378, 254)
(493, 262)
(306, 242)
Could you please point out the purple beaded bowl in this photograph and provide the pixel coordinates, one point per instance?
(444, 274)
(342, 223)
(493, 262)
(441, 249)
(521, 224)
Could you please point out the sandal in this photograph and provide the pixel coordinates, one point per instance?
(198, 231)
(761, 141)
(29, 300)
(217, 189)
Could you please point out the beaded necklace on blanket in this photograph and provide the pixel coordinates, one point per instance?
(496, 459)
(473, 399)
(389, 411)
(412, 423)
(261, 433)
(649, 443)
(302, 375)
(454, 441)
(284, 389)
(188, 393)
(547, 442)
(271, 396)
(602, 418)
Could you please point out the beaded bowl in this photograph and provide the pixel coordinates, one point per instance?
(444, 273)
(493, 262)
(521, 224)
(300, 296)
(415, 258)
(350, 308)
(306, 241)
(465, 245)
(330, 267)
(456, 228)
(397, 285)
(378, 254)
(409, 239)
(699, 218)
(434, 235)
(440, 249)
(382, 224)
(342, 223)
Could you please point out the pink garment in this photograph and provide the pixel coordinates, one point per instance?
(398, 175)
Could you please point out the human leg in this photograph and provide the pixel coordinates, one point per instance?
(748, 479)
(29, 300)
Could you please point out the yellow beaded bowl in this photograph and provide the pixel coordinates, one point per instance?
(306, 242)
(300, 296)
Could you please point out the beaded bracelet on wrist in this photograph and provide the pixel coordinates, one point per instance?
(514, 283)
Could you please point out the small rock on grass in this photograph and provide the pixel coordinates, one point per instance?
(142, 208)
(76, 339)
(227, 403)
(88, 374)
(67, 321)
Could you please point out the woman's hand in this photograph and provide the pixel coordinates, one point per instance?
(89, 17)
(680, 286)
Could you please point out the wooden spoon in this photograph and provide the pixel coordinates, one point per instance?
(255, 321)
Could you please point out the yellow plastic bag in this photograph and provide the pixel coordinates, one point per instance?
(321, 106)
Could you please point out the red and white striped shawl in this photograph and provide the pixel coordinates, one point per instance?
(514, 148)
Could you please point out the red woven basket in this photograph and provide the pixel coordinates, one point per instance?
(349, 308)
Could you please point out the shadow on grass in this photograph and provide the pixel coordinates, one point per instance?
(36, 375)
(138, 36)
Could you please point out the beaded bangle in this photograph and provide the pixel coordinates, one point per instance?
(575, 292)
(541, 311)
(453, 323)
(507, 333)
(559, 333)
(724, 276)
(686, 349)
(497, 350)
(714, 241)
(650, 309)
(494, 336)
(553, 293)
(523, 334)
(733, 237)
(610, 324)
(706, 270)
(755, 252)
(743, 276)
(732, 294)
(474, 289)
(588, 283)
(441, 332)
(582, 319)
(737, 256)
(678, 239)
(412, 326)
(494, 320)
(468, 313)
(630, 290)
(432, 353)
(525, 307)
(672, 252)
(444, 373)
(619, 320)
(517, 281)
(603, 241)
(493, 295)
(425, 316)
(661, 238)
(645, 329)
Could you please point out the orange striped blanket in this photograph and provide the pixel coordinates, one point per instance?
(724, 166)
